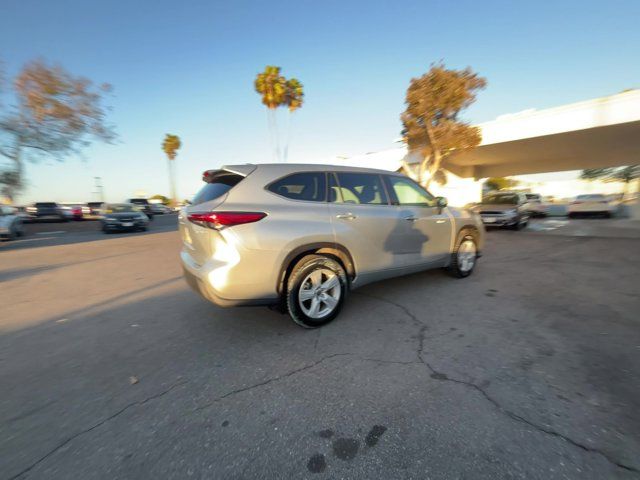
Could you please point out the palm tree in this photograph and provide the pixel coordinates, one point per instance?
(293, 99)
(170, 146)
(272, 86)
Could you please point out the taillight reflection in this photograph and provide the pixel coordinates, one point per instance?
(220, 220)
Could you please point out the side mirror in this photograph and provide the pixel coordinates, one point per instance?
(441, 202)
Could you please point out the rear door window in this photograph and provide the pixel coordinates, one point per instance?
(361, 188)
(305, 186)
(216, 187)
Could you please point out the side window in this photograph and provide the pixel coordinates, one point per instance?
(308, 186)
(361, 188)
(408, 192)
(335, 196)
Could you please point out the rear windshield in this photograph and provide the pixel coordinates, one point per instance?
(139, 201)
(46, 204)
(217, 186)
(590, 197)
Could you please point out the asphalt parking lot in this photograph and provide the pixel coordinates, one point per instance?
(110, 367)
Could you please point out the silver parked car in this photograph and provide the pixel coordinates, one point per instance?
(504, 209)
(10, 223)
(301, 236)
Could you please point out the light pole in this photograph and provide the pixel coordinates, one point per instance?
(99, 188)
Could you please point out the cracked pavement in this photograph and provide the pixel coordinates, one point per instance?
(527, 369)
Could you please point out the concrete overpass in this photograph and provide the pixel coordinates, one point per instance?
(604, 132)
(595, 133)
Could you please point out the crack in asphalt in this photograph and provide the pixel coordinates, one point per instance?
(268, 381)
(296, 371)
(437, 375)
(93, 427)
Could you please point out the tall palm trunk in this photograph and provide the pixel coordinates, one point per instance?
(172, 181)
(273, 128)
(287, 139)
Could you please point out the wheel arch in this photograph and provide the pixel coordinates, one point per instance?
(334, 250)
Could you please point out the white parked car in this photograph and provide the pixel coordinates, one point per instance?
(10, 223)
(591, 204)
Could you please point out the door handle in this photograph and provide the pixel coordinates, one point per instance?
(346, 216)
(410, 219)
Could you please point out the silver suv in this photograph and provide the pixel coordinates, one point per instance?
(300, 236)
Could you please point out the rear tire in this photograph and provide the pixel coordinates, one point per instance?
(316, 290)
(464, 255)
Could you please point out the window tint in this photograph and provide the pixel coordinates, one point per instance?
(361, 188)
(408, 192)
(217, 186)
(46, 204)
(308, 186)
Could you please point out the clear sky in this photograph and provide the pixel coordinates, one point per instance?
(188, 67)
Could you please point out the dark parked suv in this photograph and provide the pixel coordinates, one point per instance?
(144, 205)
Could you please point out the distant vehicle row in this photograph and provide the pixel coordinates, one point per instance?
(63, 212)
(514, 209)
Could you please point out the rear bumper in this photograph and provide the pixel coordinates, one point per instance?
(229, 284)
(208, 293)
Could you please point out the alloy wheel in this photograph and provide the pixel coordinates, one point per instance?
(466, 255)
(319, 293)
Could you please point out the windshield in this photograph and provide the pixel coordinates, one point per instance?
(595, 196)
(121, 208)
(500, 199)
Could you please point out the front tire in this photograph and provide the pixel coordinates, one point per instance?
(316, 291)
(464, 255)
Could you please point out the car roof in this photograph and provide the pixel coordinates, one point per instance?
(283, 168)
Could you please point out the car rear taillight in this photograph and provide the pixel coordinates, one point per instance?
(220, 220)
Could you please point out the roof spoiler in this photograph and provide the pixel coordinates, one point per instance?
(242, 170)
